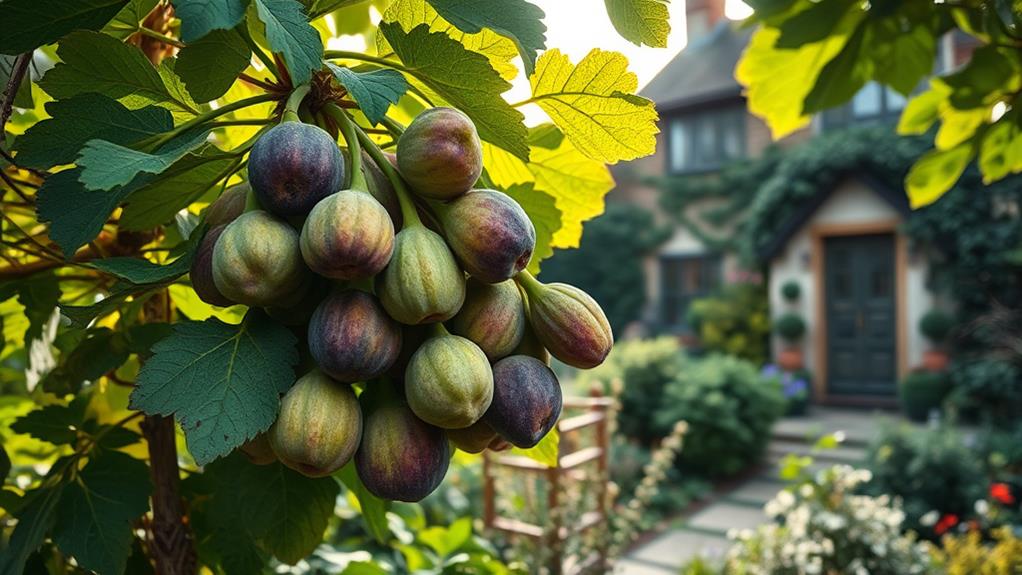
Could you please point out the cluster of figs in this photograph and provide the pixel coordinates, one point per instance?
(403, 282)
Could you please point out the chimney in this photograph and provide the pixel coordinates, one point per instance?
(701, 16)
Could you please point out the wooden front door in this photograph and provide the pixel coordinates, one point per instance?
(859, 292)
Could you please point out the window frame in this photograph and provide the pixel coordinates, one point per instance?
(683, 301)
(719, 115)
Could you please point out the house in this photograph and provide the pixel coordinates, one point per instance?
(863, 286)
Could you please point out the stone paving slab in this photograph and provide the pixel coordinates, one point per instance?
(755, 491)
(850, 454)
(632, 567)
(859, 426)
(722, 516)
(675, 548)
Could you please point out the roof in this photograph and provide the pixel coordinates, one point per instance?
(703, 71)
(794, 223)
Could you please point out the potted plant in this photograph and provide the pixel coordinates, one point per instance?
(936, 326)
(790, 327)
(791, 291)
(794, 386)
(922, 391)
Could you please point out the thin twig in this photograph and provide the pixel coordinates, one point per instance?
(18, 72)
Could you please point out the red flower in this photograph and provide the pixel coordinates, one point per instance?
(1002, 493)
(946, 522)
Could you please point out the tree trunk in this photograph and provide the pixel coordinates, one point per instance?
(171, 548)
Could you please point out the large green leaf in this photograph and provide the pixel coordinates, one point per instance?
(179, 186)
(105, 165)
(221, 381)
(39, 295)
(34, 521)
(128, 20)
(546, 451)
(81, 118)
(28, 24)
(95, 513)
(209, 66)
(594, 104)
(200, 17)
(55, 424)
(95, 62)
(641, 21)
(292, 511)
(141, 271)
(289, 33)
(373, 91)
(518, 20)
(1000, 152)
(463, 78)
(989, 72)
(372, 508)
(842, 77)
(546, 218)
(935, 172)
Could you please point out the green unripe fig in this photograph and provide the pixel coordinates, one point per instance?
(493, 317)
(257, 261)
(448, 382)
(228, 206)
(490, 234)
(319, 426)
(568, 322)
(474, 438)
(347, 236)
(201, 272)
(352, 338)
(422, 283)
(440, 155)
(526, 400)
(258, 450)
(401, 457)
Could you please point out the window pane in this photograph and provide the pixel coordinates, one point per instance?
(895, 101)
(732, 135)
(706, 142)
(867, 101)
(679, 134)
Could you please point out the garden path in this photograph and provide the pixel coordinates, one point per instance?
(704, 531)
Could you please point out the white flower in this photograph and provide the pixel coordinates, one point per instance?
(930, 519)
(982, 507)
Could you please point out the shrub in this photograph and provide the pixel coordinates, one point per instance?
(729, 408)
(645, 367)
(734, 321)
(936, 325)
(791, 291)
(922, 391)
(988, 388)
(824, 527)
(968, 555)
(790, 326)
(931, 470)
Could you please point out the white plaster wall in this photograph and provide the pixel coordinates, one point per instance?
(853, 202)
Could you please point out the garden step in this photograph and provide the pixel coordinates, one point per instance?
(675, 548)
(755, 492)
(723, 515)
(850, 454)
(858, 425)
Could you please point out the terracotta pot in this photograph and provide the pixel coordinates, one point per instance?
(790, 359)
(935, 360)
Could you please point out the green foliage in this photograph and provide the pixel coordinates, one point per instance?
(518, 20)
(221, 381)
(640, 21)
(200, 17)
(289, 33)
(936, 325)
(791, 291)
(608, 264)
(734, 321)
(644, 368)
(963, 554)
(989, 389)
(921, 392)
(210, 65)
(928, 470)
(105, 165)
(374, 91)
(829, 51)
(790, 326)
(729, 409)
(25, 30)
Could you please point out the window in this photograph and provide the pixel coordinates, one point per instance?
(706, 139)
(683, 279)
(873, 103)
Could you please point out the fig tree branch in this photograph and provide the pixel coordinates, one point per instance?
(11, 89)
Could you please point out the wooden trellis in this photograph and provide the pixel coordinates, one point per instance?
(589, 412)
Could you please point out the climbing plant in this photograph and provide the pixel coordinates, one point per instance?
(135, 138)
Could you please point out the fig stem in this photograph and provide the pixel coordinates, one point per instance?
(439, 330)
(204, 118)
(529, 283)
(251, 201)
(293, 102)
(408, 211)
(358, 177)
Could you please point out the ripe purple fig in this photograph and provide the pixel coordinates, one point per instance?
(474, 438)
(490, 234)
(228, 206)
(257, 261)
(568, 322)
(319, 426)
(440, 155)
(448, 382)
(352, 338)
(526, 400)
(422, 283)
(347, 236)
(401, 457)
(293, 166)
(201, 272)
(493, 317)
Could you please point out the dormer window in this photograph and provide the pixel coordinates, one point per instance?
(705, 139)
